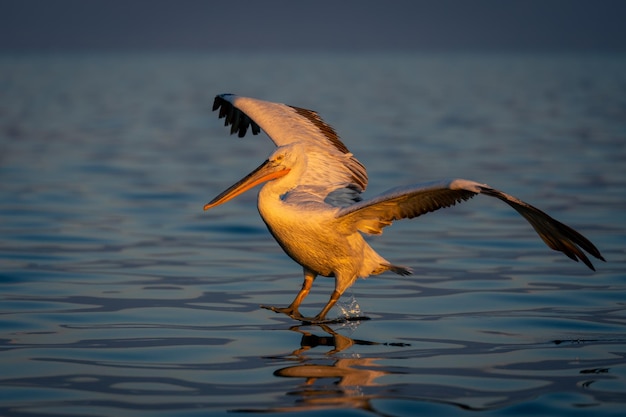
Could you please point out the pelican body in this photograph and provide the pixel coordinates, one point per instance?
(311, 201)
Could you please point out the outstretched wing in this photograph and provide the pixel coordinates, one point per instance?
(371, 216)
(330, 164)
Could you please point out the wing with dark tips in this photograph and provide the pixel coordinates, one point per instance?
(371, 216)
(329, 162)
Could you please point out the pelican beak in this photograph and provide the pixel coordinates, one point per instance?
(268, 170)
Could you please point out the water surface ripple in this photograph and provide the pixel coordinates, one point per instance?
(119, 296)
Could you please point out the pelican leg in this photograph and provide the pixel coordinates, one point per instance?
(321, 316)
(342, 283)
(292, 309)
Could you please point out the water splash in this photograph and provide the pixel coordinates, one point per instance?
(349, 308)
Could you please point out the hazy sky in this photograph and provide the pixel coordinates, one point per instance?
(548, 25)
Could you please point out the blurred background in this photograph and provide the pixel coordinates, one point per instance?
(417, 25)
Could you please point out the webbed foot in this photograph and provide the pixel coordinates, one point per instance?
(290, 311)
(296, 315)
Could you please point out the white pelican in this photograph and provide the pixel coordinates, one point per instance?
(312, 202)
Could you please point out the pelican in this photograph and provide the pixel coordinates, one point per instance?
(311, 201)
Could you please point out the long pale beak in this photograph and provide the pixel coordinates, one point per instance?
(265, 172)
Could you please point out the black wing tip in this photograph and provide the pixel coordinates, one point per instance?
(219, 100)
(238, 120)
(581, 243)
(588, 262)
(573, 243)
(585, 260)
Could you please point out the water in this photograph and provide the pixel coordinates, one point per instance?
(120, 296)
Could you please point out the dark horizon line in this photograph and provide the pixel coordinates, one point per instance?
(311, 49)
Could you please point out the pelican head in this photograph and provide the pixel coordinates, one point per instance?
(279, 164)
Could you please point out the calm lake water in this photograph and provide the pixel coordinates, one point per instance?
(121, 297)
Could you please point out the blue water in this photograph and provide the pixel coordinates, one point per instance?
(120, 296)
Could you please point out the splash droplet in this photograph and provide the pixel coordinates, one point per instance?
(349, 308)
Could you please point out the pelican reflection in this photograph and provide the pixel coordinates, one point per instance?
(330, 382)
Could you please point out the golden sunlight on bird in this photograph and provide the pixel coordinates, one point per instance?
(311, 201)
